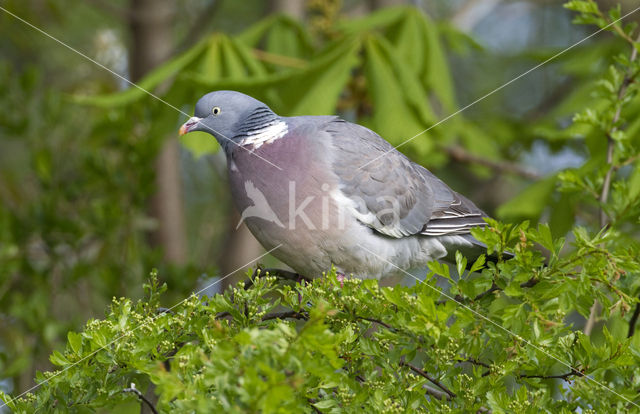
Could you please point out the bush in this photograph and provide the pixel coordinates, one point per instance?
(501, 337)
(498, 339)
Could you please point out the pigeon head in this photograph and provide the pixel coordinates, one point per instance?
(229, 116)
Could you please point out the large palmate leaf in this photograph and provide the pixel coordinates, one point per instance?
(416, 40)
(314, 90)
(279, 35)
(529, 203)
(398, 114)
(148, 83)
(398, 52)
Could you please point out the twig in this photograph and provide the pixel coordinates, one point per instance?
(564, 377)
(529, 283)
(315, 409)
(604, 195)
(606, 186)
(628, 161)
(285, 315)
(436, 393)
(633, 321)
(474, 361)
(492, 289)
(141, 397)
(434, 381)
(279, 273)
(222, 315)
(459, 154)
(574, 372)
(379, 322)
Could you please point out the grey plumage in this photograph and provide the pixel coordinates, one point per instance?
(345, 196)
(426, 204)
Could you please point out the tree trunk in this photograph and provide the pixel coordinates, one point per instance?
(240, 248)
(294, 8)
(151, 24)
(378, 4)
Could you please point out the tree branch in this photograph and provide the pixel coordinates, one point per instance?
(379, 322)
(279, 273)
(286, 315)
(492, 289)
(434, 381)
(141, 397)
(436, 393)
(622, 90)
(574, 372)
(529, 283)
(633, 321)
(564, 377)
(474, 361)
(459, 154)
(315, 409)
(604, 195)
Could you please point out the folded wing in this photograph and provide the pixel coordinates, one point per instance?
(391, 194)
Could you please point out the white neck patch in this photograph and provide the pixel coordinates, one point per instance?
(266, 135)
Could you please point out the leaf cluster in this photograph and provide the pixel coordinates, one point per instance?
(497, 339)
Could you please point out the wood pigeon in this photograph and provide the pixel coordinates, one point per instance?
(330, 192)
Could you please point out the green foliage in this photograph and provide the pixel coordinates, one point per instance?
(500, 337)
(65, 213)
(503, 344)
(389, 68)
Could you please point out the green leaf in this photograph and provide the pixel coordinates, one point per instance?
(316, 90)
(394, 116)
(478, 264)
(461, 263)
(529, 203)
(57, 358)
(582, 6)
(199, 143)
(325, 404)
(75, 341)
(544, 236)
(441, 269)
(148, 83)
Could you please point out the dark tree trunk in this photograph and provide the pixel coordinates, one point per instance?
(151, 24)
(378, 4)
(240, 248)
(294, 8)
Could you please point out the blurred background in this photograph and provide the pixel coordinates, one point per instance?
(96, 189)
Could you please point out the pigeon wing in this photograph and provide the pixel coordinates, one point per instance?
(391, 194)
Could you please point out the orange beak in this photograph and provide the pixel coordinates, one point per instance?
(189, 125)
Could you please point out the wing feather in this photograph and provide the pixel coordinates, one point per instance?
(391, 194)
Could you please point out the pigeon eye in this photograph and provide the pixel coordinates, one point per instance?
(215, 110)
